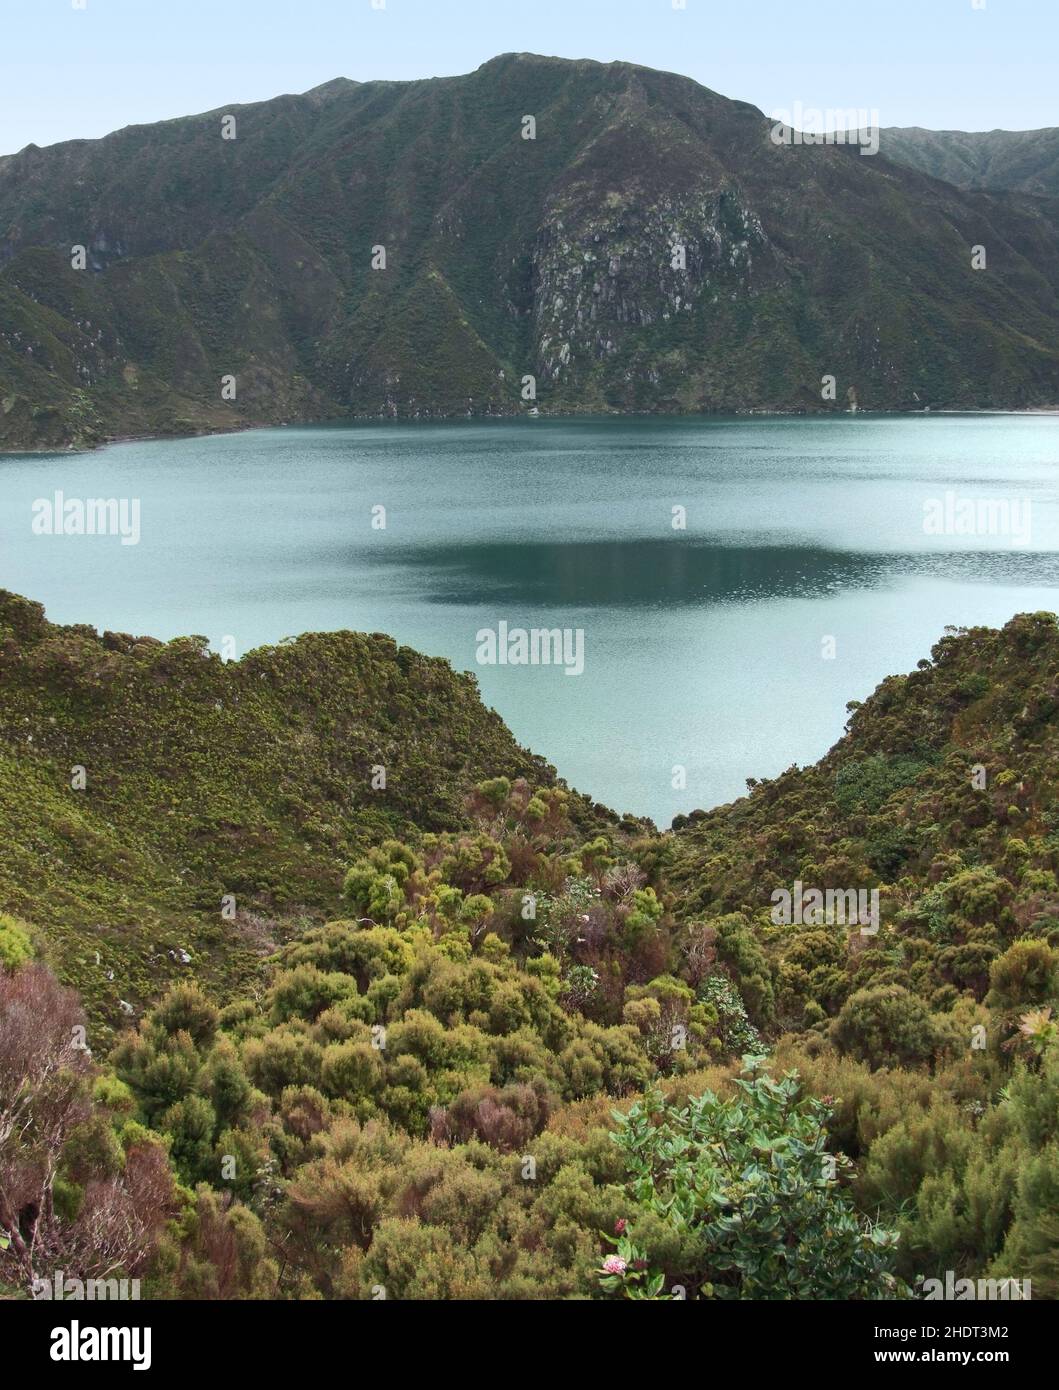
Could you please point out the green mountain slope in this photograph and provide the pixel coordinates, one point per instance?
(205, 779)
(942, 795)
(505, 258)
(1024, 161)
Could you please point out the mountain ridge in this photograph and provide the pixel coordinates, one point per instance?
(1022, 161)
(650, 250)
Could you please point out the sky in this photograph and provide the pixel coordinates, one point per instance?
(74, 69)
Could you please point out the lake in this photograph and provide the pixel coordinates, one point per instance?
(817, 557)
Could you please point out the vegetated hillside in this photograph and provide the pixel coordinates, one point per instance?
(1023, 161)
(943, 791)
(511, 1068)
(506, 257)
(204, 779)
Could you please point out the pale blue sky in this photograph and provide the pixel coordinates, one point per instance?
(68, 72)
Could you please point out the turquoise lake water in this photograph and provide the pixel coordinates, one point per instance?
(809, 568)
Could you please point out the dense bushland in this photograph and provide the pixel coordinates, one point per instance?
(538, 1052)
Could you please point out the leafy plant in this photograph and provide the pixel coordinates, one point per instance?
(751, 1182)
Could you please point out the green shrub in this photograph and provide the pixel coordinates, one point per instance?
(16, 945)
(749, 1186)
(885, 1025)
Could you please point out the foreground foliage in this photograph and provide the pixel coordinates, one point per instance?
(746, 1196)
(509, 1061)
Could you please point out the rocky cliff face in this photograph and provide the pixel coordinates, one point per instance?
(401, 249)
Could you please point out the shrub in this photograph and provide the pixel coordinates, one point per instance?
(750, 1187)
(1027, 973)
(885, 1025)
(16, 946)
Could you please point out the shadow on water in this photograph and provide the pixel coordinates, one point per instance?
(666, 573)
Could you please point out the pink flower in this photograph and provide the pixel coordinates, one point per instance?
(619, 1226)
(614, 1264)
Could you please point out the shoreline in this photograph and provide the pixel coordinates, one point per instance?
(745, 413)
